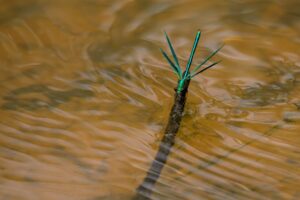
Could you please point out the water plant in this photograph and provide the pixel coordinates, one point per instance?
(187, 75)
(145, 189)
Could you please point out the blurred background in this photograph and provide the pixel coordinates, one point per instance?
(85, 96)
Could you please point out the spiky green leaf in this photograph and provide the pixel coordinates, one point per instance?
(199, 72)
(207, 58)
(173, 54)
(187, 69)
(171, 63)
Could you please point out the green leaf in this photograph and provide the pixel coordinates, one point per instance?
(213, 64)
(209, 57)
(173, 66)
(187, 69)
(174, 54)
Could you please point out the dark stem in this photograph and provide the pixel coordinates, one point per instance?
(145, 189)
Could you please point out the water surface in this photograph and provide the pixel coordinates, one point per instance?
(85, 95)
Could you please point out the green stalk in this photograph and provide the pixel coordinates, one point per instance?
(187, 69)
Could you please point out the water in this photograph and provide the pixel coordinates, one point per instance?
(85, 95)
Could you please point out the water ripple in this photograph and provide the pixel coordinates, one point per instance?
(85, 96)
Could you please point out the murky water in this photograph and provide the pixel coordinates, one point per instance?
(85, 96)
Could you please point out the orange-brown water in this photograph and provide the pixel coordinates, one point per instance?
(85, 96)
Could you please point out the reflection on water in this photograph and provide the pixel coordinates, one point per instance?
(85, 96)
(54, 98)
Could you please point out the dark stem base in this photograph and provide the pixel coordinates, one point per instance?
(145, 189)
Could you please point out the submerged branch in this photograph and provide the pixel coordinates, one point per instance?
(145, 189)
